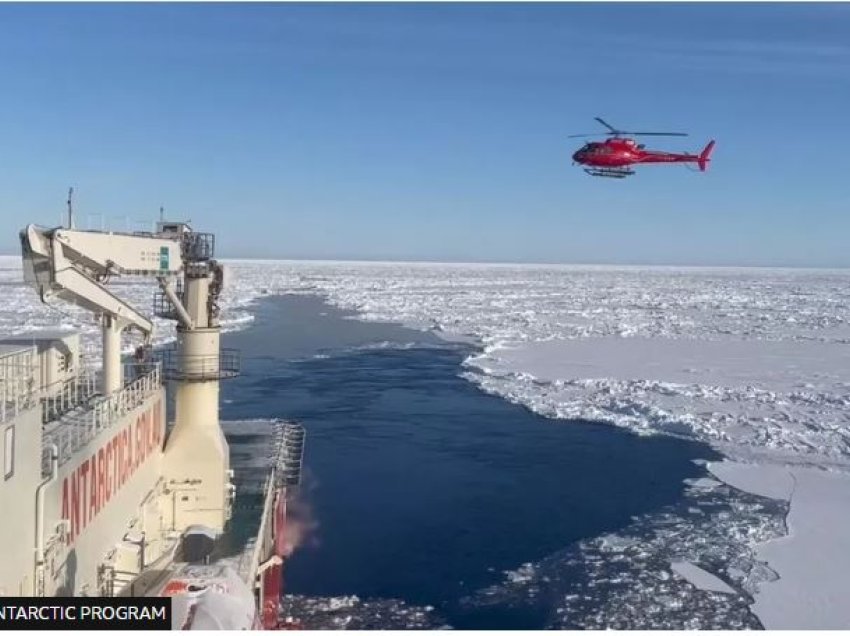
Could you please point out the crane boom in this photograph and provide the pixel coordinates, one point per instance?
(74, 265)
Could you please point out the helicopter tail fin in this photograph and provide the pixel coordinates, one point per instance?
(705, 156)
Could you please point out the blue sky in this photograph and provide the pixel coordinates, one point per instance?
(436, 131)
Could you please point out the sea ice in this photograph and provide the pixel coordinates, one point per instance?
(768, 480)
(752, 361)
(813, 560)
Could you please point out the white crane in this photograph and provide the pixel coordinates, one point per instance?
(75, 266)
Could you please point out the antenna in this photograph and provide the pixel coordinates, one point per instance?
(70, 209)
(161, 213)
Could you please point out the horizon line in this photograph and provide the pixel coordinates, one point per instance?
(382, 261)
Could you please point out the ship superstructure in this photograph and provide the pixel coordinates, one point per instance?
(102, 496)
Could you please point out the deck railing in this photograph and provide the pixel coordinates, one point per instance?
(18, 388)
(65, 396)
(77, 428)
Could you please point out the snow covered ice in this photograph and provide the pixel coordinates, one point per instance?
(754, 362)
(700, 578)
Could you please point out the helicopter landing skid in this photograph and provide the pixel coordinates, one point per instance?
(613, 173)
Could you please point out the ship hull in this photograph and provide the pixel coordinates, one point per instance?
(106, 496)
(97, 508)
(272, 578)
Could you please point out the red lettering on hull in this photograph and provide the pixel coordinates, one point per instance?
(75, 503)
(107, 473)
(90, 487)
(84, 491)
(93, 509)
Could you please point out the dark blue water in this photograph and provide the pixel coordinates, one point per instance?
(423, 487)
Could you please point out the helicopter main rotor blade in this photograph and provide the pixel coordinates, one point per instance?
(654, 134)
(607, 125)
(626, 132)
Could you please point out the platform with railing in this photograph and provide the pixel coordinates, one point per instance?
(198, 246)
(198, 368)
(78, 426)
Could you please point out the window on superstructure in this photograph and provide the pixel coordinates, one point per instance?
(65, 362)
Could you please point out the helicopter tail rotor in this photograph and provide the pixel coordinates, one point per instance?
(705, 156)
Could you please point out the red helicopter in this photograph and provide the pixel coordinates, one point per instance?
(615, 156)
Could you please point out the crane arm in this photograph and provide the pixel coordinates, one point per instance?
(73, 265)
(104, 253)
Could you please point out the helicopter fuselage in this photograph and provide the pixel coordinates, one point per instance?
(616, 153)
(614, 156)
